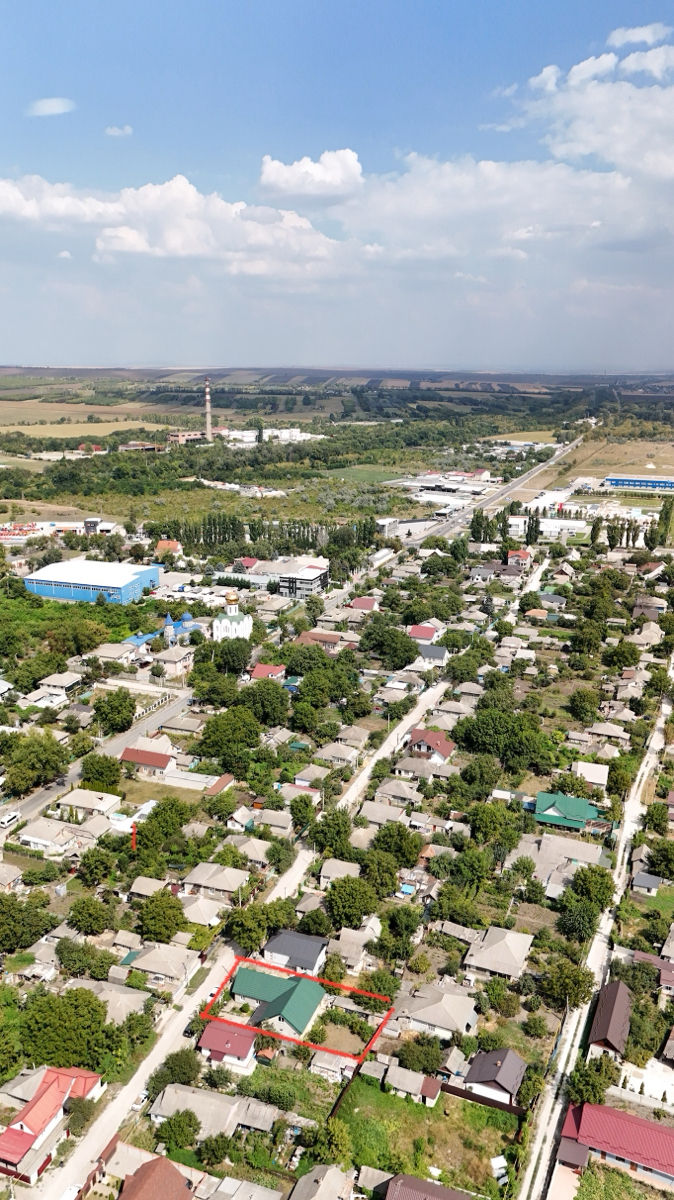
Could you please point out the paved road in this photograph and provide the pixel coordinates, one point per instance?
(357, 787)
(289, 882)
(55, 1181)
(36, 801)
(553, 1102)
(463, 515)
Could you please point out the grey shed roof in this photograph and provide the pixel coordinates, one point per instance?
(644, 880)
(502, 1067)
(301, 949)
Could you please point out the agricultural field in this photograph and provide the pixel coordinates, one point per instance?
(394, 1135)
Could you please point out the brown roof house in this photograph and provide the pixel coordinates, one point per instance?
(496, 1074)
(611, 1021)
(157, 1179)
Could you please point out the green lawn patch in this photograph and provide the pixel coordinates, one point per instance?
(399, 1136)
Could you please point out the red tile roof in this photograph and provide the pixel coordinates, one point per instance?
(422, 631)
(157, 1179)
(57, 1086)
(248, 562)
(223, 1039)
(430, 1088)
(165, 544)
(365, 603)
(268, 671)
(611, 1131)
(433, 738)
(518, 554)
(145, 758)
(219, 786)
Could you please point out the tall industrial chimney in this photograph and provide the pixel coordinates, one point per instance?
(207, 399)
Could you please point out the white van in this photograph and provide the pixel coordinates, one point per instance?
(8, 818)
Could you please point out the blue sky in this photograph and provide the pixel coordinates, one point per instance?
(375, 183)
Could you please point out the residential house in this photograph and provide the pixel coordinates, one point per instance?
(496, 1075)
(275, 671)
(556, 859)
(122, 653)
(311, 775)
(423, 634)
(213, 882)
(143, 886)
(82, 803)
(351, 944)
(520, 558)
(408, 1187)
(334, 868)
(611, 1020)
(278, 822)
(57, 839)
(412, 1084)
(169, 968)
(641, 1147)
(648, 636)
(253, 849)
(30, 1138)
(645, 884)
(200, 911)
(398, 791)
(324, 1183)
(438, 1011)
(176, 660)
(156, 1179)
(287, 1003)
(431, 744)
(380, 814)
(596, 774)
(152, 758)
(500, 952)
(120, 1001)
(607, 731)
(364, 603)
(10, 878)
(355, 736)
(338, 755)
(217, 1113)
(229, 1045)
(410, 767)
(431, 657)
(570, 812)
(331, 1067)
(296, 951)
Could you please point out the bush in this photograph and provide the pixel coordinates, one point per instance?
(534, 1026)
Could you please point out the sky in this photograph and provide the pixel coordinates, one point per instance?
(365, 183)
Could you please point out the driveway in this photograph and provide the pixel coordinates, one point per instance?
(55, 1181)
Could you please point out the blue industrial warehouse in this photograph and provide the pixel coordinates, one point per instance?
(651, 483)
(84, 579)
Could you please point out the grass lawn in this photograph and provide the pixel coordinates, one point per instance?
(138, 791)
(397, 1135)
(602, 1183)
(196, 980)
(663, 902)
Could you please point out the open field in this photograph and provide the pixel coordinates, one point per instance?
(91, 430)
(600, 457)
(393, 1135)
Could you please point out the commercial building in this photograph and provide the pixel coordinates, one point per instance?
(630, 483)
(84, 579)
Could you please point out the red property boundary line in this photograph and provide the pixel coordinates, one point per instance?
(206, 1014)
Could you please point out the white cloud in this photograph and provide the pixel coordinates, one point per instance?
(119, 131)
(647, 35)
(546, 80)
(592, 68)
(64, 254)
(658, 62)
(51, 106)
(336, 173)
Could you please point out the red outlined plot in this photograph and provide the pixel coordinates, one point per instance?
(206, 1015)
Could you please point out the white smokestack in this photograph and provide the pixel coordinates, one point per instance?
(207, 399)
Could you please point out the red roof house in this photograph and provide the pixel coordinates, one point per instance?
(519, 556)
(423, 633)
(25, 1145)
(268, 671)
(157, 1179)
(365, 603)
(247, 562)
(229, 1044)
(431, 743)
(149, 762)
(624, 1139)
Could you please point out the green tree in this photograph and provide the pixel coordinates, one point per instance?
(381, 872)
(180, 1129)
(115, 710)
(583, 705)
(655, 818)
(267, 701)
(101, 772)
(302, 811)
(248, 927)
(564, 982)
(160, 917)
(331, 835)
(333, 1144)
(64, 1031)
(348, 900)
(33, 760)
(531, 1086)
(229, 736)
(398, 841)
(594, 884)
(589, 1081)
(95, 866)
(578, 922)
(183, 1066)
(423, 1053)
(89, 916)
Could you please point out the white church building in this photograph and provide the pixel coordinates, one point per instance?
(231, 623)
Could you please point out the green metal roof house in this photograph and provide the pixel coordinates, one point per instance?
(570, 812)
(289, 1004)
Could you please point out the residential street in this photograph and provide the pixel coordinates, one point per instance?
(357, 787)
(552, 1104)
(33, 804)
(54, 1183)
(288, 884)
